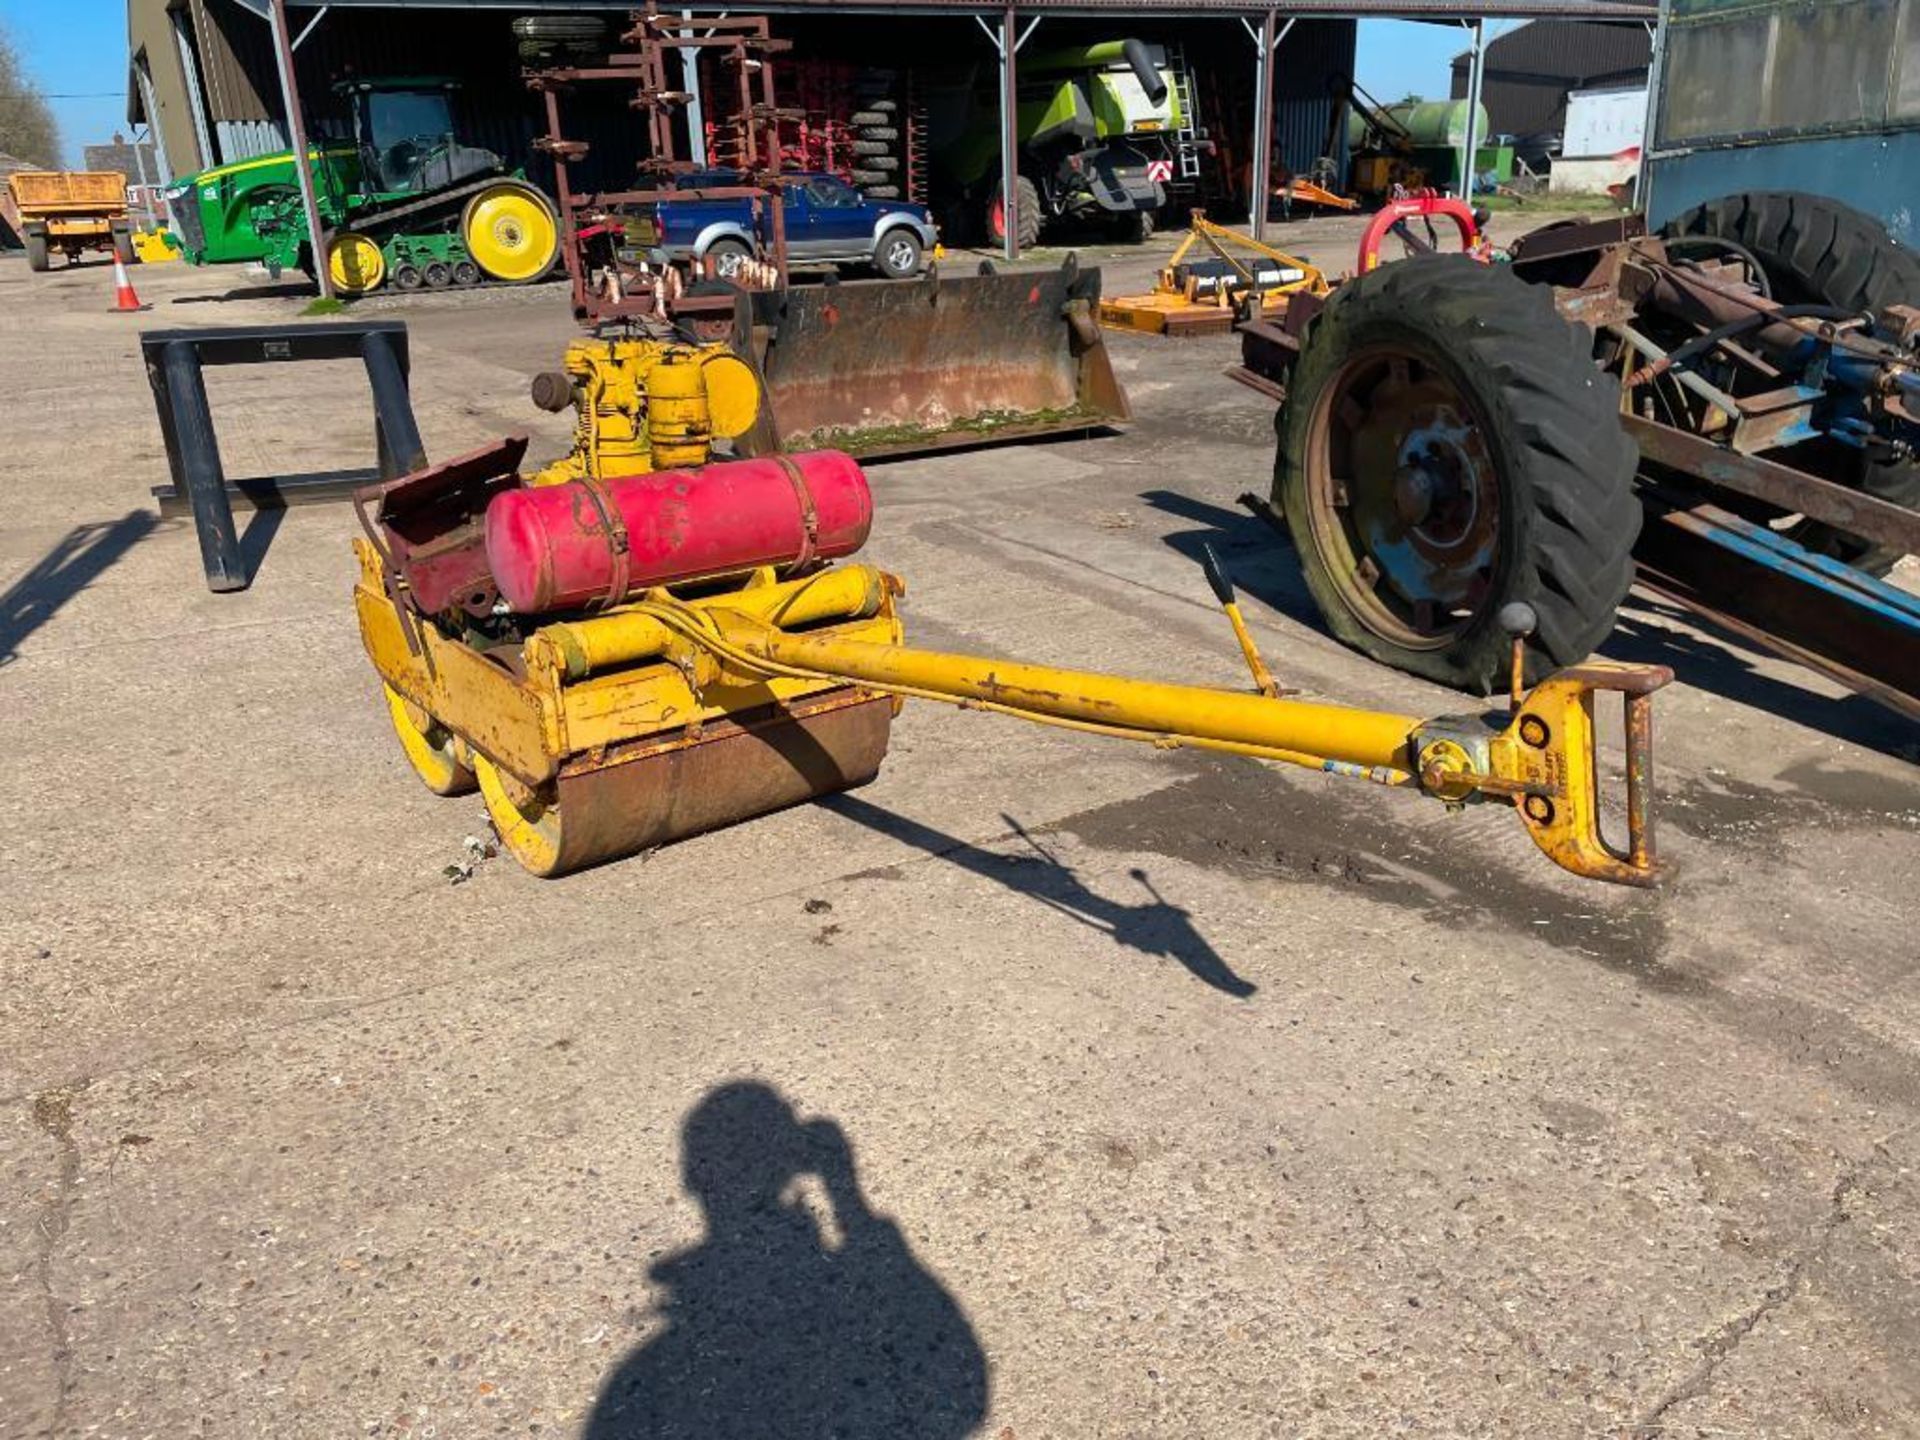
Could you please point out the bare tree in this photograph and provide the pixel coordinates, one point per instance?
(27, 128)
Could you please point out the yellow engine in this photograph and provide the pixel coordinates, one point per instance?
(645, 405)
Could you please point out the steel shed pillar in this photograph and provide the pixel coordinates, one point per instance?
(1007, 45)
(1476, 72)
(1266, 41)
(297, 133)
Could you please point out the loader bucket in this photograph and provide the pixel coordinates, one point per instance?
(891, 367)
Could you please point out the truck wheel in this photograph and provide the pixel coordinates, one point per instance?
(1447, 446)
(726, 258)
(1818, 251)
(36, 249)
(123, 245)
(897, 256)
(1027, 199)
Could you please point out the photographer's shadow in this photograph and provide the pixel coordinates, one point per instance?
(781, 1324)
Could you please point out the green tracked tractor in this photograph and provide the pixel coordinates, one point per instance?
(404, 202)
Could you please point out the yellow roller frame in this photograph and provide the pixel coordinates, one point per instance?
(510, 232)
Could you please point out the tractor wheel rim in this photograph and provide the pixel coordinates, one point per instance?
(355, 264)
(1403, 498)
(510, 233)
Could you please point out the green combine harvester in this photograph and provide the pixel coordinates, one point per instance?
(1098, 129)
(404, 203)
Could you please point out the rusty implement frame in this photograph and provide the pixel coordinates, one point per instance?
(745, 45)
(897, 367)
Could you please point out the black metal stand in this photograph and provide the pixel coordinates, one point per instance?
(175, 360)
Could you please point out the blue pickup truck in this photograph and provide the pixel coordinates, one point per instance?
(828, 222)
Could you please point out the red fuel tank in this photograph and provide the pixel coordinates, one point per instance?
(557, 547)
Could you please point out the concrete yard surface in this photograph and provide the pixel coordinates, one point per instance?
(1047, 1087)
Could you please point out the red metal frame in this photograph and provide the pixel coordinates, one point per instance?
(745, 44)
(1420, 206)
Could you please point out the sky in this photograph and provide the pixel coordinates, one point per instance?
(75, 48)
(1410, 57)
(76, 51)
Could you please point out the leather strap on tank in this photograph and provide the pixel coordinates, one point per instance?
(619, 546)
(809, 517)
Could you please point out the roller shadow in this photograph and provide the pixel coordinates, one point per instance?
(780, 1324)
(83, 554)
(1154, 927)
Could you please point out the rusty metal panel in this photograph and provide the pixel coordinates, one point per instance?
(893, 367)
(729, 771)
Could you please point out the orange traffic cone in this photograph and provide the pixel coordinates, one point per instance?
(123, 296)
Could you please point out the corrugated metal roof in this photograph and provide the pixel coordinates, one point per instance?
(1333, 9)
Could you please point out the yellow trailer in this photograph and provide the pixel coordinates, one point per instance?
(70, 211)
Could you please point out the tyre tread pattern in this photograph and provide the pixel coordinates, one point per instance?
(1569, 460)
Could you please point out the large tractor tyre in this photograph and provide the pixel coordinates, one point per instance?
(1448, 446)
(873, 147)
(558, 27)
(511, 233)
(36, 250)
(1132, 227)
(1818, 251)
(1027, 204)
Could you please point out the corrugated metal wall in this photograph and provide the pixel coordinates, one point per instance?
(242, 139)
(1314, 52)
(1530, 70)
(496, 112)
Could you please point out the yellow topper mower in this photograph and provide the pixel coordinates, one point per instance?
(1233, 277)
(630, 646)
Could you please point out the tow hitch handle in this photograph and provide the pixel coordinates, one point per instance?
(1547, 759)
